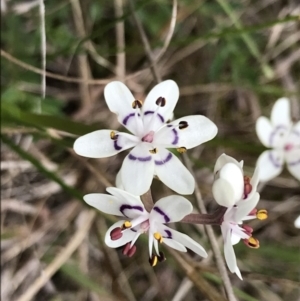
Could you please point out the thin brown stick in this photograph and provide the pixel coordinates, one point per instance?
(120, 41)
(68, 79)
(170, 33)
(61, 258)
(50, 74)
(43, 51)
(83, 64)
(146, 44)
(203, 285)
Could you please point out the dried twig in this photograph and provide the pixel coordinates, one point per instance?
(61, 258)
(146, 44)
(120, 41)
(170, 33)
(43, 50)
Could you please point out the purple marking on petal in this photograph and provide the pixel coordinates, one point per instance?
(274, 161)
(125, 120)
(296, 132)
(169, 234)
(116, 146)
(273, 134)
(152, 112)
(158, 210)
(169, 125)
(142, 159)
(176, 138)
(294, 163)
(161, 162)
(129, 207)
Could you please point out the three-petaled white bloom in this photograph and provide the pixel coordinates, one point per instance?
(238, 193)
(137, 221)
(152, 135)
(283, 137)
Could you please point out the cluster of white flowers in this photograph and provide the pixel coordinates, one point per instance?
(152, 133)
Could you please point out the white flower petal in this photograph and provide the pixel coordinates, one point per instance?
(119, 100)
(235, 239)
(167, 89)
(297, 222)
(281, 113)
(170, 209)
(200, 129)
(130, 205)
(98, 144)
(292, 158)
(230, 255)
(174, 244)
(264, 130)
(244, 207)
(224, 159)
(182, 239)
(137, 170)
(105, 203)
(255, 179)
(229, 188)
(270, 164)
(167, 137)
(119, 183)
(294, 137)
(150, 243)
(223, 193)
(173, 173)
(128, 235)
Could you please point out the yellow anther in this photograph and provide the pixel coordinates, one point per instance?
(153, 261)
(113, 135)
(158, 237)
(253, 243)
(127, 224)
(262, 214)
(181, 150)
(153, 151)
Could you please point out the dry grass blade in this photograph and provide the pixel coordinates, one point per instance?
(61, 258)
(205, 287)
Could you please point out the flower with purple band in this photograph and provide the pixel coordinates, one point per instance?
(152, 134)
(283, 137)
(238, 193)
(136, 221)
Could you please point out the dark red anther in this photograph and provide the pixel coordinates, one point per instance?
(161, 101)
(248, 229)
(183, 125)
(126, 249)
(247, 189)
(253, 212)
(116, 233)
(161, 257)
(129, 251)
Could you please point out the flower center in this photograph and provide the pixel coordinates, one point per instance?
(144, 226)
(288, 147)
(149, 137)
